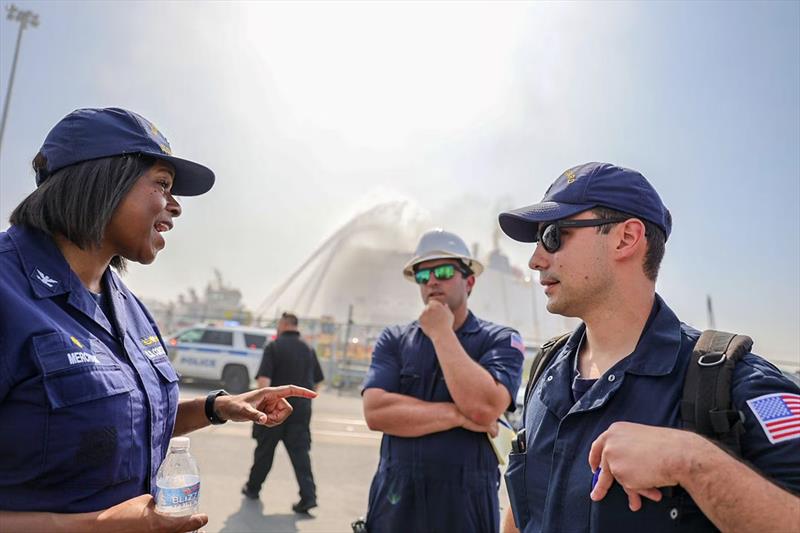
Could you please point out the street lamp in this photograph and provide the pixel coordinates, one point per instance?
(24, 18)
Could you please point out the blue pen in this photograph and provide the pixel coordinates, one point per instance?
(596, 476)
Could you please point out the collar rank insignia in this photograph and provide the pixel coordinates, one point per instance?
(45, 279)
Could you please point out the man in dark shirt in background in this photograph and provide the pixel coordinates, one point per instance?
(287, 360)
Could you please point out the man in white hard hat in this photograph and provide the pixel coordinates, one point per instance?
(435, 387)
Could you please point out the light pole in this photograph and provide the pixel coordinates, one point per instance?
(24, 18)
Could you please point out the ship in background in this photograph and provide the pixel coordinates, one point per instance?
(218, 303)
(355, 277)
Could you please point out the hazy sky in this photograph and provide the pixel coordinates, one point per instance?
(310, 113)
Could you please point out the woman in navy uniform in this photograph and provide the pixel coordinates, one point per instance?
(88, 397)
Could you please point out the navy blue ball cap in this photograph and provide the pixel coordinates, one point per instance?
(87, 134)
(585, 187)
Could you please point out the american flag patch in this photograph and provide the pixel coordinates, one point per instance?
(516, 342)
(778, 414)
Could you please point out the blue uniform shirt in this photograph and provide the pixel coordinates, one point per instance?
(87, 402)
(549, 485)
(441, 467)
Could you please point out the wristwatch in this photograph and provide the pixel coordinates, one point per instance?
(210, 399)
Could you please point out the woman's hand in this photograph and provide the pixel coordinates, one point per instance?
(267, 406)
(136, 515)
(139, 514)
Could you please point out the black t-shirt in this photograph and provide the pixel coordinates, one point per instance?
(289, 361)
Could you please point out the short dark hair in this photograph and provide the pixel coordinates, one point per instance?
(656, 239)
(290, 318)
(78, 201)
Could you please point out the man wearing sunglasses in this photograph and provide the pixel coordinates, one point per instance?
(601, 449)
(435, 388)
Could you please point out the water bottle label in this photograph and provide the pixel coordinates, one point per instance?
(179, 498)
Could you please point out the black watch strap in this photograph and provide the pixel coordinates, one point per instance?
(210, 414)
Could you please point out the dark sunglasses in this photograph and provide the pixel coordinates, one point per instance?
(550, 234)
(441, 272)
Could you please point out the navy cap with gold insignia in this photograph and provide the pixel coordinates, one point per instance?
(585, 187)
(90, 133)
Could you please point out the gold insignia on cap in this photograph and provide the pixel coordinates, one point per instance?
(165, 149)
(570, 176)
(76, 342)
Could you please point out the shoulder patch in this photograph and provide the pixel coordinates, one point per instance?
(778, 414)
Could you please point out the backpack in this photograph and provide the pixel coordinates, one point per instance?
(706, 404)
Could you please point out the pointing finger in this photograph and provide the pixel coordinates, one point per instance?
(284, 391)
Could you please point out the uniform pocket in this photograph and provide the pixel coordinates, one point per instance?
(73, 387)
(89, 423)
(613, 514)
(165, 369)
(517, 488)
(169, 393)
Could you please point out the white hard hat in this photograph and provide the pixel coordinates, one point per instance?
(441, 244)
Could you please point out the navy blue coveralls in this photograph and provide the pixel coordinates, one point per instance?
(549, 485)
(446, 481)
(87, 406)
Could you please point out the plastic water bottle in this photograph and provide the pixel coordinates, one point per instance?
(178, 481)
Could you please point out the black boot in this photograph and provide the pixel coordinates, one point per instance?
(303, 507)
(251, 495)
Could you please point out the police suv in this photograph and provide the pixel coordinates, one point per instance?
(231, 354)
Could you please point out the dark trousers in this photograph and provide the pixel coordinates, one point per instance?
(296, 438)
(429, 498)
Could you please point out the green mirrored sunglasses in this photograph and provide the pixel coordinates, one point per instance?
(441, 272)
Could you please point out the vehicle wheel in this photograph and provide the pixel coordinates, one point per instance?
(235, 379)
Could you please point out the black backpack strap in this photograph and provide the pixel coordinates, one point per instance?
(541, 361)
(706, 407)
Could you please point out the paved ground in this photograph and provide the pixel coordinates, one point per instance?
(344, 455)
